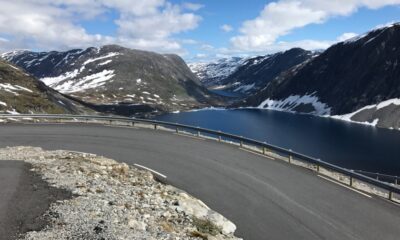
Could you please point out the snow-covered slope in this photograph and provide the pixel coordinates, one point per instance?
(22, 93)
(255, 73)
(212, 73)
(116, 75)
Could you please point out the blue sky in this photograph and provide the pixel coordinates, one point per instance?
(194, 29)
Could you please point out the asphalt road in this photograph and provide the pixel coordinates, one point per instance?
(24, 198)
(266, 199)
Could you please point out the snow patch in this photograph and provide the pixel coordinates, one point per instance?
(244, 88)
(109, 55)
(12, 88)
(52, 81)
(14, 67)
(88, 82)
(293, 101)
(348, 117)
(104, 63)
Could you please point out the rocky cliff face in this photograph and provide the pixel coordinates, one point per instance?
(114, 75)
(359, 77)
(22, 93)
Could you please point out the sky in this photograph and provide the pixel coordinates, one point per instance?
(197, 30)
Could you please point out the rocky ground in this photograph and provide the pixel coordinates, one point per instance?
(115, 201)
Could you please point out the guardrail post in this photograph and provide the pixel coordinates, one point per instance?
(132, 124)
(241, 143)
(290, 158)
(110, 122)
(395, 181)
(390, 196)
(177, 130)
(198, 133)
(264, 150)
(351, 181)
(155, 126)
(219, 138)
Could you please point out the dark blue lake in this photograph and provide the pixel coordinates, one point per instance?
(345, 144)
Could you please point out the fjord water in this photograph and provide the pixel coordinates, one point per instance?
(349, 145)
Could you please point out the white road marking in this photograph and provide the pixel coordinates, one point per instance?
(151, 170)
(256, 153)
(333, 181)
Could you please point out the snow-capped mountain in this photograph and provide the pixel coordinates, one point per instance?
(355, 80)
(21, 93)
(246, 76)
(113, 75)
(255, 73)
(212, 73)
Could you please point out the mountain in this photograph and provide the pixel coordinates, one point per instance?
(255, 73)
(246, 76)
(22, 93)
(210, 74)
(357, 80)
(112, 76)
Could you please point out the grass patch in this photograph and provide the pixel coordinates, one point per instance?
(206, 227)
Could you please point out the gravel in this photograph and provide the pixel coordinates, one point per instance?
(113, 200)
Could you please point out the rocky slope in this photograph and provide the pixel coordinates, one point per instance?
(255, 73)
(116, 75)
(22, 93)
(358, 78)
(112, 200)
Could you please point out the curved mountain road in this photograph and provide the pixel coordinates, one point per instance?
(266, 199)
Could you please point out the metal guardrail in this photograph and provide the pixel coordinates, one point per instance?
(380, 176)
(353, 175)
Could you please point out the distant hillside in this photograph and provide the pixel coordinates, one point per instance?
(212, 73)
(21, 93)
(246, 76)
(255, 73)
(358, 78)
(116, 75)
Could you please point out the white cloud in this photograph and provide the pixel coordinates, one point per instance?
(192, 6)
(226, 28)
(201, 55)
(206, 47)
(281, 17)
(189, 41)
(157, 26)
(54, 24)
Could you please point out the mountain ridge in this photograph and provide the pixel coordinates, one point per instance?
(112, 74)
(345, 78)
